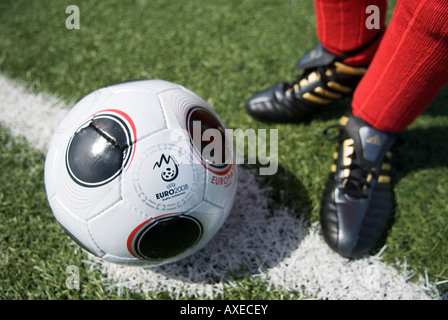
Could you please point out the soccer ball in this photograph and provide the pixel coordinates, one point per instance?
(129, 181)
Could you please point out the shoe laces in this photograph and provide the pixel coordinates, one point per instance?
(357, 175)
(308, 76)
(357, 181)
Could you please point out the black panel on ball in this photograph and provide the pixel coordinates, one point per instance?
(205, 120)
(99, 150)
(168, 237)
(112, 130)
(92, 158)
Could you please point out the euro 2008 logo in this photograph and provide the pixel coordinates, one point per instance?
(166, 177)
(168, 166)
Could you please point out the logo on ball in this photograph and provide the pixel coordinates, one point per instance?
(169, 168)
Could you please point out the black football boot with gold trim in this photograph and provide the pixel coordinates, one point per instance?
(358, 200)
(324, 79)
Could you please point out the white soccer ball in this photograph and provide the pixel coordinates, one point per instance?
(133, 179)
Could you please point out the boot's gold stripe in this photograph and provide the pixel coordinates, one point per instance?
(343, 121)
(354, 71)
(327, 93)
(310, 97)
(383, 179)
(339, 87)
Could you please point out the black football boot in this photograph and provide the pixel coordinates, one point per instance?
(324, 79)
(358, 200)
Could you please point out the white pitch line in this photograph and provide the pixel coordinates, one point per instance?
(34, 116)
(274, 246)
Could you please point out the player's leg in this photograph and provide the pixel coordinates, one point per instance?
(342, 28)
(331, 70)
(409, 68)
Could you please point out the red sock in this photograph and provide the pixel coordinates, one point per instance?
(341, 28)
(410, 66)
